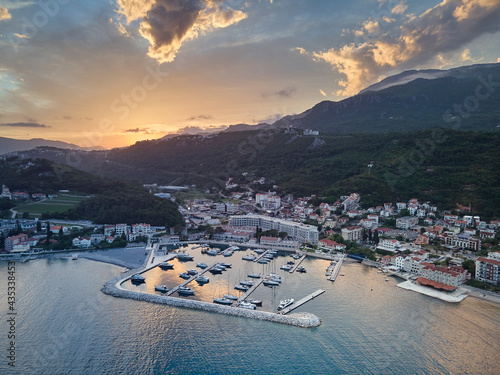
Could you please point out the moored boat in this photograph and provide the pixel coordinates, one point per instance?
(244, 288)
(250, 257)
(223, 301)
(161, 288)
(270, 282)
(301, 269)
(165, 266)
(254, 276)
(202, 265)
(247, 305)
(285, 303)
(225, 265)
(286, 267)
(256, 302)
(184, 275)
(231, 297)
(184, 257)
(137, 278)
(246, 283)
(202, 279)
(184, 290)
(192, 272)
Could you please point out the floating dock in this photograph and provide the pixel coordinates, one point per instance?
(302, 301)
(175, 288)
(298, 263)
(247, 293)
(261, 256)
(336, 270)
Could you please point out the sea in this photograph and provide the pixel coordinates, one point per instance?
(64, 324)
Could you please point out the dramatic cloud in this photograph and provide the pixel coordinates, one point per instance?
(199, 129)
(140, 130)
(25, 125)
(445, 28)
(167, 24)
(4, 14)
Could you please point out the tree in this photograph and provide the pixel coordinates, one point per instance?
(375, 237)
(38, 226)
(283, 235)
(470, 266)
(26, 215)
(365, 235)
(2, 240)
(49, 235)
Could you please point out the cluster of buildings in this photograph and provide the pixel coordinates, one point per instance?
(23, 195)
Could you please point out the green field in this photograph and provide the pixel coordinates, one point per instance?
(59, 204)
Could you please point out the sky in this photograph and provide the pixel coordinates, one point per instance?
(108, 73)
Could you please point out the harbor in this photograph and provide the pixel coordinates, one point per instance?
(123, 286)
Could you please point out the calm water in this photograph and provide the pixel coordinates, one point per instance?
(65, 325)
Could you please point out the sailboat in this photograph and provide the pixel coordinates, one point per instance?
(222, 300)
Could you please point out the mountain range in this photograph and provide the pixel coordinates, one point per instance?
(8, 145)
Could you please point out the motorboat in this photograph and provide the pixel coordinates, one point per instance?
(165, 266)
(270, 282)
(202, 279)
(231, 297)
(291, 262)
(225, 265)
(259, 251)
(250, 257)
(256, 302)
(223, 301)
(274, 276)
(137, 278)
(215, 270)
(296, 256)
(185, 291)
(286, 267)
(243, 288)
(254, 276)
(161, 288)
(202, 265)
(247, 305)
(285, 303)
(301, 269)
(184, 257)
(246, 283)
(192, 272)
(212, 252)
(263, 261)
(184, 275)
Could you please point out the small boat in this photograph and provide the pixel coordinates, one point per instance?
(202, 265)
(228, 252)
(256, 302)
(250, 257)
(244, 288)
(137, 278)
(215, 270)
(254, 276)
(184, 275)
(212, 252)
(74, 257)
(225, 265)
(274, 276)
(291, 262)
(161, 288)
(379, 271)
(263, 261)
(285, 303)
(271, 283)
(342, 274)
(223, 301)
(386, 279)
(246, 283)
(295, 256)
(185, 291)
(192, 272)
(184, 257)
(259, 251)
(247, 305)
(202, 279)
(231, 297)
(286, 267)
(165, 266)
(301, 269)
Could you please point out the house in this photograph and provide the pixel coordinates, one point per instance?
(453, 276)
(97, 238)
(141, 229)
(389, 244)
(121, 229)
(80, 241)
(406, 222)
(422, 240)
(330, 245)
(269, 201)
(463, 242)
(12, 241)
(38, 196)
(352, 233)
(354, 213)
(169, 239)
(109, 230)
(488, 269)
(400, 206)
(374, 218)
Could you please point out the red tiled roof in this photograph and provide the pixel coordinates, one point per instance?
(490, 261)
(435, 284)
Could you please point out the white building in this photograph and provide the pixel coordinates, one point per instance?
(297, 231)
(268, 201)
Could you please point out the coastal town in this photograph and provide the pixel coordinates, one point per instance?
(438, 250)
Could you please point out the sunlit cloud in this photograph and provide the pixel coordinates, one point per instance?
(322, 93)
(4, 14)
(285, 93)
(444, 28)
(167, 24)
(24, 125)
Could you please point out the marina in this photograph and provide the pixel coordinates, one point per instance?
(297, 264)
(302, 301)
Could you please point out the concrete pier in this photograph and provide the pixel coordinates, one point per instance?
(261, 256)
(298, 264)
(302, 301)
(336, 270)
(248, 292)
(175, 288)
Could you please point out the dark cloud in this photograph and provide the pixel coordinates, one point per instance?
(200, 117)
(25, 125)
(140, 130)
(67, 118)
(199, 129)
(166, 24)
(284, 93)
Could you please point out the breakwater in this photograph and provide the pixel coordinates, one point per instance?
(113, 288)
